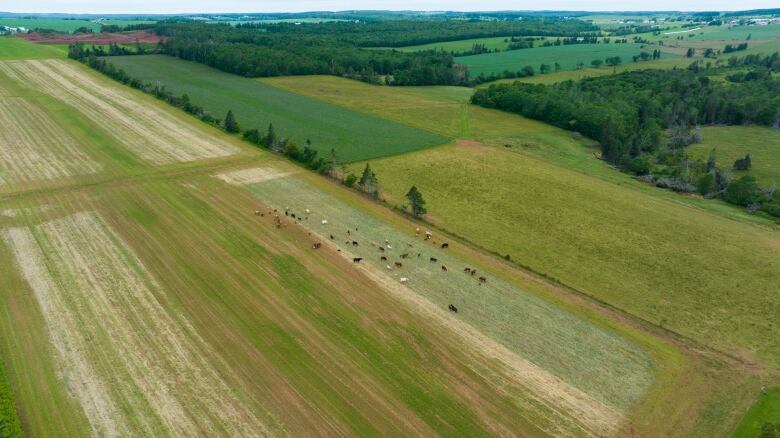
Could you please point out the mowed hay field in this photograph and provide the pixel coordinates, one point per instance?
(166, 307)
(63, 123)
(353, 135)
(567, 56)
(500, 43)
(733, 142)
(698, 268)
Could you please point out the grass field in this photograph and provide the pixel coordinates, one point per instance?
(732, 142)
(460, 46)
(151, 299)
(566, 56)
(353, 135)
(766, 410)
(18, 48)
(550, 205)
(63, 25)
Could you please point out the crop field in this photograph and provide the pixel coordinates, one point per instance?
(459, 46)
(18, 48)
(153, 135)
(354, 136)
(548, 181)
(566, 56)
(732, 142)
(60, 25)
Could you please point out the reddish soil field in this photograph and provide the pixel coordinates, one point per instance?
(93, 38)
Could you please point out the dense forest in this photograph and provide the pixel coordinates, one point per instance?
(340, 48)
(644, 119)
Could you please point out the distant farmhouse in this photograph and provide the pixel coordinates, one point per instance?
(13, 30)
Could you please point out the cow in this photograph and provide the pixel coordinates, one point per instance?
(403, 256)
(357, 259)
(467, 270)
(308, 211)
(257, 212)
(482, 280)
(383, 258)
(324, 222)
(354, 243)
(389, 247)
(434, 259)
(331, 237)
(292, 215)
(404, 279)
(445, 245)
(286, 213)
(417, 230)
(317, 245)
(398, 264)
(452, 308)
(443, 268)
(428, 235)
(381, 248)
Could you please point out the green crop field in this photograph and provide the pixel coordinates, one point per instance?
(60, 25)
(548, 203)
(17, 48)
(764, 414)
(724, 33)
(353, 135)
(500, 43)
(732, 142)
(566, 56)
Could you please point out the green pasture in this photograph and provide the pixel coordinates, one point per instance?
(17, 48)
(353, 135)
(495, 43)
(596, 361)
(732, 142)
(542, 197)
(763, 415)
(60, 25)
(567, 56)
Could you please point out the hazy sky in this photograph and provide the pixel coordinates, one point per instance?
(199, 6)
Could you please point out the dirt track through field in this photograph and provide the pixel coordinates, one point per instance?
(33, 147)
(129, 362)
(149, 132)
(251, 175)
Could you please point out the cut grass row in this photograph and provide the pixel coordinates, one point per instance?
(550, 205)
(353, 135)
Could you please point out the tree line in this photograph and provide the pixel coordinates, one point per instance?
(644, 119)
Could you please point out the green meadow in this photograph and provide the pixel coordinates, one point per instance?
(353, 135)
(567, 56)
(732, 142)
(18, 48)
(60, 25)
(495, 43)
(541, 197)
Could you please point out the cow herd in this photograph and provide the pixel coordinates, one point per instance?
(380, 247)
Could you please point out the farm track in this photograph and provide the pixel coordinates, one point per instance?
(153, 135)
(33, 147)
(99, 302)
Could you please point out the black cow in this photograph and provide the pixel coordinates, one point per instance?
(445, 245)
(357, 259)
(452, 308)
(434, 259)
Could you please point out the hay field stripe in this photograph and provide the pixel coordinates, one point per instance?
(100, 290)
(149, 132)
(33, 147)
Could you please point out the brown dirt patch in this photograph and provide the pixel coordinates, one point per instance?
(93, 38)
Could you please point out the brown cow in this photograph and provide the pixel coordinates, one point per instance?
(443, 268)
(403, 256)
(467, 270)
(482, 280)
(317, 245)
(383, 258)
(398, 264)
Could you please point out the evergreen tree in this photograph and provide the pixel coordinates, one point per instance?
(416, 202)
(368, 182)
(230, 123)
(711, 161)
(270, 136)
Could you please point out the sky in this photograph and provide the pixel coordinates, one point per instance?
(216, 6)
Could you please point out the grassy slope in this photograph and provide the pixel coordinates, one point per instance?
(355, 136)
(18, 48)
(732, 142)
(639, 248)
(766, 410)
(566, 56)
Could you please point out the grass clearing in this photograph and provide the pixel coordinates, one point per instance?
(733, 142)
(153, 135)
(18, 48)
(353, 135)
(765, 410)
(460, 46)
(567, 56)
(59, 25)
